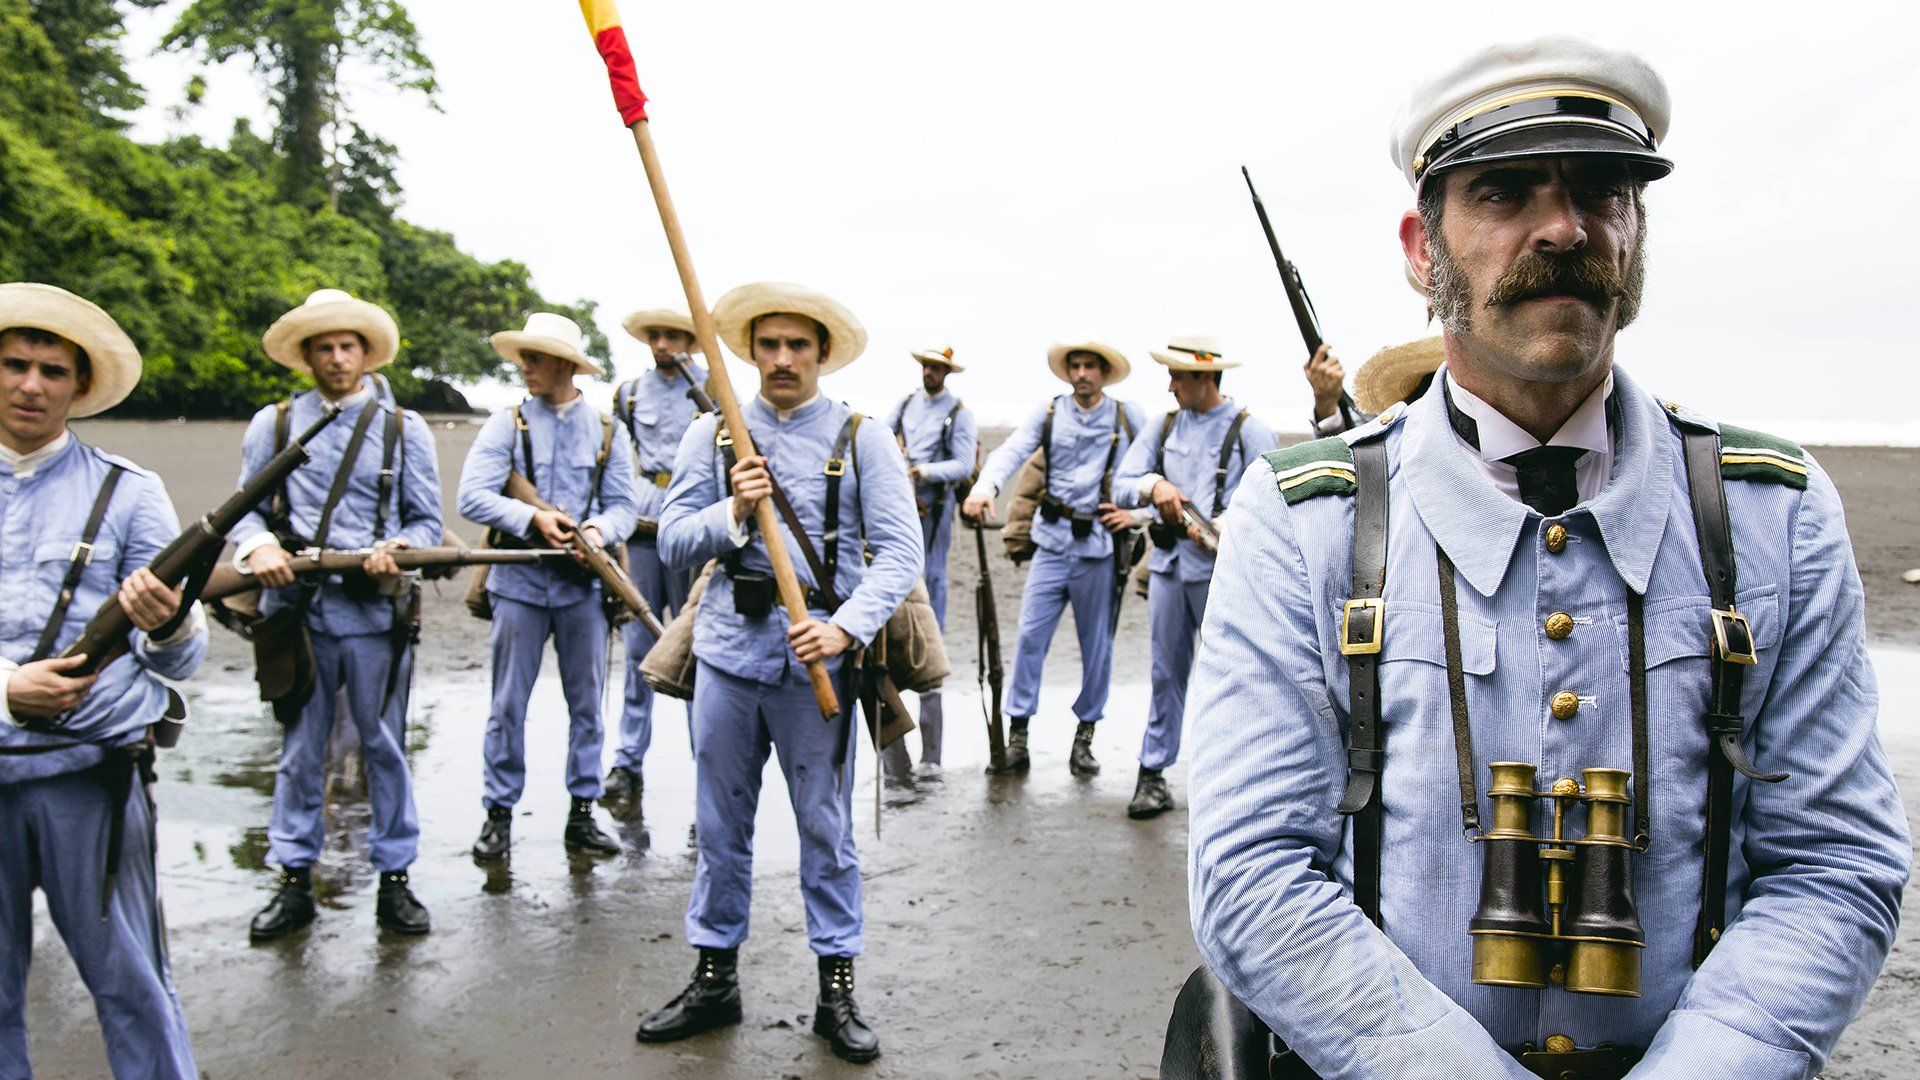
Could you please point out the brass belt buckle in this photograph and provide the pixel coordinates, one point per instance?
(663, 478)
(1733, 636)
(1362, 636)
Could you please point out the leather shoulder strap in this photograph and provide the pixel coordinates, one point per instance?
(1227, 446)
(390, 441)
(77, 565)
(600, 462)
(1362, 630)
(1160, 448)
(344, 475)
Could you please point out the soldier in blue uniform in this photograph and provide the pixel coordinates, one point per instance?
(846, 488)
(655, 408)
(76, 818)
(1697, 665)
(372, 482)
(575, 457)
(1084, 434)
(1185, 465)
(940, 436)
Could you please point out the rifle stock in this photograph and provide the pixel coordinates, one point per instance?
(596, 558)
(190, 557)
(992, 673)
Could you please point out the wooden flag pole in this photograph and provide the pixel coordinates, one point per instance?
(792, 596)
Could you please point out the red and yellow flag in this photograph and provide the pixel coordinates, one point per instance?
(603, 19)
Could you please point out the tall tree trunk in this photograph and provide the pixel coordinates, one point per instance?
(307, 85)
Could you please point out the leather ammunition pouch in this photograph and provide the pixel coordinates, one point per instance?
(1165, 536)
(283, 661)
(752, 593)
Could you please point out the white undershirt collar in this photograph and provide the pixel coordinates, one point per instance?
(25, 465)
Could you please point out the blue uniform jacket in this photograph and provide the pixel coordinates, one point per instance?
(1081, 441)
(1818, 860)
(413, 509)
(41, 519)
(564, 451)
(1193, 459)
(659, 414)
(875, 502)
(921, 420)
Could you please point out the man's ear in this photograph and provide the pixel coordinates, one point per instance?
(1413, 246)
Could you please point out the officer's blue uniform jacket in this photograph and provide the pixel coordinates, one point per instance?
(874, 496)
(566, 443)
(1078, 456)
(1818, 861)
(41, 519)
(1192, 460)
(413, 508)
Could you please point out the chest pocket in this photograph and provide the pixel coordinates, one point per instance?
(1415, 631)
(97, 582)
(1678, 628)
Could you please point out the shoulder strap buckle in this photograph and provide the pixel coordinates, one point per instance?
(836, 466)
(1363, 636)
(82, 553)
(1733, 637)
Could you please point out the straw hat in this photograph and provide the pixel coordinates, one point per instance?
(1117, 366)
(110, 352)
(555, 335)
(1193, 352)
(942, 356)
(734, 315)
(638, 323)
(1391, 374)
(332, 311)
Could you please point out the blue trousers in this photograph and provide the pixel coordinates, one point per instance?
(1174, 611)
(736, 721)
(1055, 581)
(665, 590)
(520, 633)
(298, 828)
(53, 836)
(937, 532)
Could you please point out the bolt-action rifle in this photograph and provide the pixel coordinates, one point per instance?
(229, 580)
(991, 671)
(593, 556)
(1297, 298)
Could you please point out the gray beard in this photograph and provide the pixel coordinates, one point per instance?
(1451, 296)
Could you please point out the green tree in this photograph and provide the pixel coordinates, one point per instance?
(86, 35)
(298, 47)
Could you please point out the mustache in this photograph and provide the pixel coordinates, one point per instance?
(1585, 275)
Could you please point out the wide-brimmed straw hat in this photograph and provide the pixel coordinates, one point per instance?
(942, 356)
(1193, 352)
(332, 311)
(111, 356)
(555, 335)
(734, 316)
(1117, 366)
(638, 323)
(1391, 374)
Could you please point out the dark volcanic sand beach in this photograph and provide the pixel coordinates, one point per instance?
(1017, 928)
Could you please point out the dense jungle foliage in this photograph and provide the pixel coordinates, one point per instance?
(195, 248)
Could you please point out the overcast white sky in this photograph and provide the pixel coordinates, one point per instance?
(998, 175)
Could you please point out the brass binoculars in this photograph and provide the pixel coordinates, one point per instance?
(1582, 905)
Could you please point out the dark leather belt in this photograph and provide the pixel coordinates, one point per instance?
(1604, 1062)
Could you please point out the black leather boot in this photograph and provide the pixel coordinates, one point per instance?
(290, 909)
(397, 908)
(496, 836)
(623, 785)
(1016, 759)
(711, 1000)
(1081, 759)
(837, 1019)
(584, 836)
(1150, 795)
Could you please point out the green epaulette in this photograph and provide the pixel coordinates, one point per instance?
(1320, 467)
(1746, 454)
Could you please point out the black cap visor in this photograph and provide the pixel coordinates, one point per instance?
(1556, 138)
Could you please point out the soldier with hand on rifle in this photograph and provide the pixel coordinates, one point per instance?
(371, 481)
(570, 453)
(656, 407)
(76, 815)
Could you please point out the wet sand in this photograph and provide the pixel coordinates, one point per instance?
(1016, 928)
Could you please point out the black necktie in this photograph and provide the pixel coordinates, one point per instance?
(1546, 477)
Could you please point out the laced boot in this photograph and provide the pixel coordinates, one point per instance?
(397, 908)
(1150, 795)
(837, 1019)
(583, 835)
(622, 785)
(290, 909)
(496, 836)
(711, 1000)
(1080, 761)
(1016, 759)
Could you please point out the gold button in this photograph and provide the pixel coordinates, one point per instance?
(1559, 1044)
(1566, 785)
(1556, 538)
(1559, 625)
(1559, 975)
(1565, 704)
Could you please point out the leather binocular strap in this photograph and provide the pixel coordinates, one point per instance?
(1366, 743)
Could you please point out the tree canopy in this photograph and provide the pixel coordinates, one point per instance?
(196, 248)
